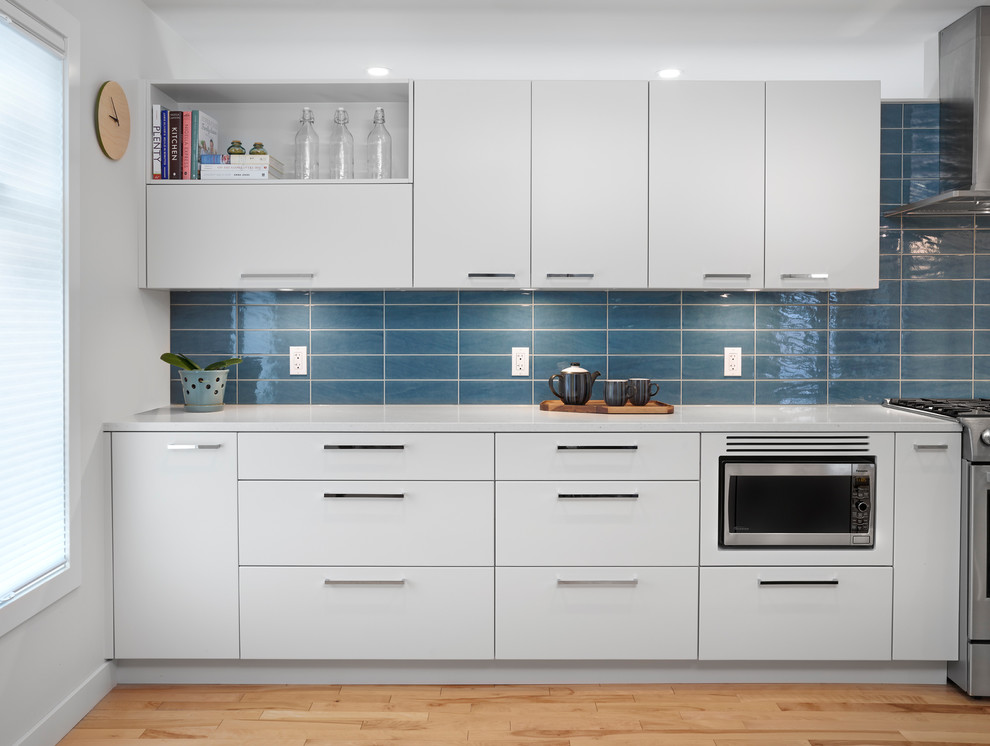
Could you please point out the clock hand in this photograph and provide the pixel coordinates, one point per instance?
(114, 116)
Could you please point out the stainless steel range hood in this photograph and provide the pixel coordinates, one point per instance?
(964, 120)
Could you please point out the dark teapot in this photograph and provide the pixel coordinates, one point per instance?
(575, 384)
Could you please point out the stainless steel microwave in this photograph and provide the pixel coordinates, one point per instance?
(796, 502)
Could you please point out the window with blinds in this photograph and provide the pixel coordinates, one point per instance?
(33, 494)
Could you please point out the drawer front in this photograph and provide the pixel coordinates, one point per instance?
(795, 613)
(597, 523)
(585, 613)
(627, 456)
(394, 613)
(366, 523)
(365, 455)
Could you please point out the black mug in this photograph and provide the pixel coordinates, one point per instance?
(641, 390)
(616, 391)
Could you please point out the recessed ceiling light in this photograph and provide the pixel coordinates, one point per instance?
(378, 72)
(669, 73)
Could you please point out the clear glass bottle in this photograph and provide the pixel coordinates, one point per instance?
(379, 148)
(307, 148)
(341, 147)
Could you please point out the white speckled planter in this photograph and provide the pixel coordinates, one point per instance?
(203, 390)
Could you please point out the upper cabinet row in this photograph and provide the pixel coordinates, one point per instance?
(546, 184)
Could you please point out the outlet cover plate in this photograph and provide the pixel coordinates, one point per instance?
(520, 361)
(297, 361)
(733, 361)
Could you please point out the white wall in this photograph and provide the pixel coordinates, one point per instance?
(118, 329)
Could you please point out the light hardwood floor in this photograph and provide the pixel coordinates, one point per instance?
(640, 715)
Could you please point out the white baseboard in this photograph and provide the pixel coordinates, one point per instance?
(63, 716)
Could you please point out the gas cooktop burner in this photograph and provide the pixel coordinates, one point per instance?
(954, 408)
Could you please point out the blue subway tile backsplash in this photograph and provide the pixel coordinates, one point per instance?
(924, 332)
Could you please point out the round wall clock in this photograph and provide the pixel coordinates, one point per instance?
(113, 120)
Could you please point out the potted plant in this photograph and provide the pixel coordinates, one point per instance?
(202, 388)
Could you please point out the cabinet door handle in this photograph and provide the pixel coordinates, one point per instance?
(488, 275)
(805, 276)
(833, 581)
(598, 496)
(570, 275)
(277, 275)
(727, 275)
(629, 583)
(193, 446)
(368, 495)
(931, 446)
(349, 447)
(597, 448)
(331, 581)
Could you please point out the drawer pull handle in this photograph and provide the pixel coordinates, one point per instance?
(833, 581)
(598, 496)
(570, 275)
(277, 275)
(805, 276)
(727, 275)
(193, 446)
(931, 446)
(369, 495)
(632, 582)
(362, 448)
(331, 581)
(597, 448)
(489, 275)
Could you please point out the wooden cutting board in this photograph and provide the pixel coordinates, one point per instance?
(597, 406)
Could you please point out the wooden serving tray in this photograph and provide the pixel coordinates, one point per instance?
(598, 406)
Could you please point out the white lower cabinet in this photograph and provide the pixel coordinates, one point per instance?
(795, 613)
(367, 613)
(596, 613)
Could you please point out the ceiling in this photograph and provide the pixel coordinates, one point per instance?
(894, 41)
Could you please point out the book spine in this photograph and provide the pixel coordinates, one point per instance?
(213, 158)
(175, 145)
(248, 158)
(186, 143)
(194, 144)
(156, 141)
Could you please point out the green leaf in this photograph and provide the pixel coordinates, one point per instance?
(179, 361)
(223, 363)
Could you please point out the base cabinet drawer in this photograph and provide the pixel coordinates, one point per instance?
(366, 523)
(795, 613)
(367, 613)
(585, 613)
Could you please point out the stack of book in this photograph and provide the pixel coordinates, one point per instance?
(223, 166)
(178, 139)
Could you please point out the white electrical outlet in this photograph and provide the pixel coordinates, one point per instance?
(297, 361)
(520, 361)
(733, 361)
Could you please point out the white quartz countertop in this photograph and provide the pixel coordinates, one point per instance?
(494, 418)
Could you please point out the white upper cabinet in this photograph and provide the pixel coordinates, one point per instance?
(472, 188)
(590, 180)
(823, 185)
(706, 184)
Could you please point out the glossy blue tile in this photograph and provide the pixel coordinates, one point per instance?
(982, 267)
(864, 366)
(421, 392)
(570, 343)
(890, 242)
(891, 114)
(420, 367)
(569, 317)
(194, 343)
(718, 392)
(982, 242)
(718, 317)
(921, 115)
(493, 342)
(421, 342)
(791, 317)
(420, 317)
(204, 317)
(544, 366)
(273, 297)
(921, 166)
(273, 317)
(791, 392)
(933, 241)
(644, 317)
(931, 222)
(267, 366)
(981, 367)
(890, 269)
(864, 317)
(347, 367)
(920, 141)
(644, 297)
(272, 392)
(950, 389)
(347, 342)
(791, 342)
(496, 392)
(202, 297)
(348, 297)
(936, 317)
(864, 342)
(421, 297)
(935, 267)
(891, 191)
(487, 367)
(644, 366)
(799, 297)
(918, 189)
(891, 141)
(890, 167)
(348, 317)
(927, 292)
(936, 367)
(717, 298)
(496, 297)
(496, 317)
(981, 342)
(783, 367)
(862, 392)
(650, 342)
(348, 392)
(712, 343)
(570, 297)
(981, 317)
(695, 367)
(270, 342)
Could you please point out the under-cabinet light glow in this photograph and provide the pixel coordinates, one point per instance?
(669, 73)
(378, 72)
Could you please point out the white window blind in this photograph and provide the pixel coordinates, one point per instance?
(33, 514)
